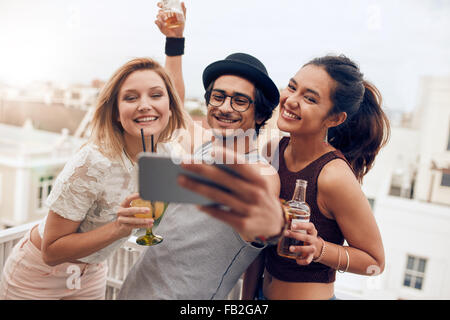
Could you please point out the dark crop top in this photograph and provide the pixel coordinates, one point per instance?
(286, 269)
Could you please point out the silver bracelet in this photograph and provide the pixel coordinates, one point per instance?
(348, 261)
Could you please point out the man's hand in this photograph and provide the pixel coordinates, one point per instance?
(170, 32)
(254, 209)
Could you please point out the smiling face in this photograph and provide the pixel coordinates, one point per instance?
(305, 103)
(224, 119)
(143, 103)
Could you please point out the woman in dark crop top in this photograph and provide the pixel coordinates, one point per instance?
(336, 128)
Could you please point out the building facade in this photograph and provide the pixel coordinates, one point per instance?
(30, 160)
(409, 189)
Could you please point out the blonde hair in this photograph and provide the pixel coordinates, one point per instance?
(107, 132)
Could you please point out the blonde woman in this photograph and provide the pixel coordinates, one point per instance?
(89, 214)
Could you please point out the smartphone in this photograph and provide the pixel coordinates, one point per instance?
(158, 180)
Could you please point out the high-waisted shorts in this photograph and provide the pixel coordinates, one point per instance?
(26, 276)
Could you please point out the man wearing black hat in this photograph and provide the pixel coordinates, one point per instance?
(236, 73)
(202, 257)
(240, 97)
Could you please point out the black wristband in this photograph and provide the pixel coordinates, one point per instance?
(174, 46)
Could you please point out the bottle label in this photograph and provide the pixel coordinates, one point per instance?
(294, 221)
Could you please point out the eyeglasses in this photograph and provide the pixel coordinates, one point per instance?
(239, 102)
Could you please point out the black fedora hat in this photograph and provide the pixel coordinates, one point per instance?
(245, 66)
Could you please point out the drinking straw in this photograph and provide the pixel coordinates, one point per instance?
(153, 204)
(143, 140)
(152, 144)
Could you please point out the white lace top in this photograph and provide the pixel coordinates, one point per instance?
(90, 189)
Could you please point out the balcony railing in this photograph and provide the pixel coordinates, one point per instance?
(119, 263)
(118, 266)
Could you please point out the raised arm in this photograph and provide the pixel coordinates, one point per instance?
(174, 50)
(174, 37)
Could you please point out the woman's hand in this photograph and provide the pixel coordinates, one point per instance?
(170, 32)
(126, 221)
(312, 244)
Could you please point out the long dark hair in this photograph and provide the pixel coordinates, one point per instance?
(366, 129)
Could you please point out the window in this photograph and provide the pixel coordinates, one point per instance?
(445, 182)
(396, 182)
(402, 184)
(58, 94)
(1, 187)
(371, 202)
(415, 272)
(44, 189)
(395, 191)
(76, 95)
(448, 142)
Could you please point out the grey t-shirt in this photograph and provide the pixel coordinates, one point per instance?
(200, 258)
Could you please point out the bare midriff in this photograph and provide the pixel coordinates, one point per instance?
(275, 289)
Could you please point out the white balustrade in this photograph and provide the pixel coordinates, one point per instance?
(9, 238)
(119, 263)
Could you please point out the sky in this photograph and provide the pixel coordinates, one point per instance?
(395, 42)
